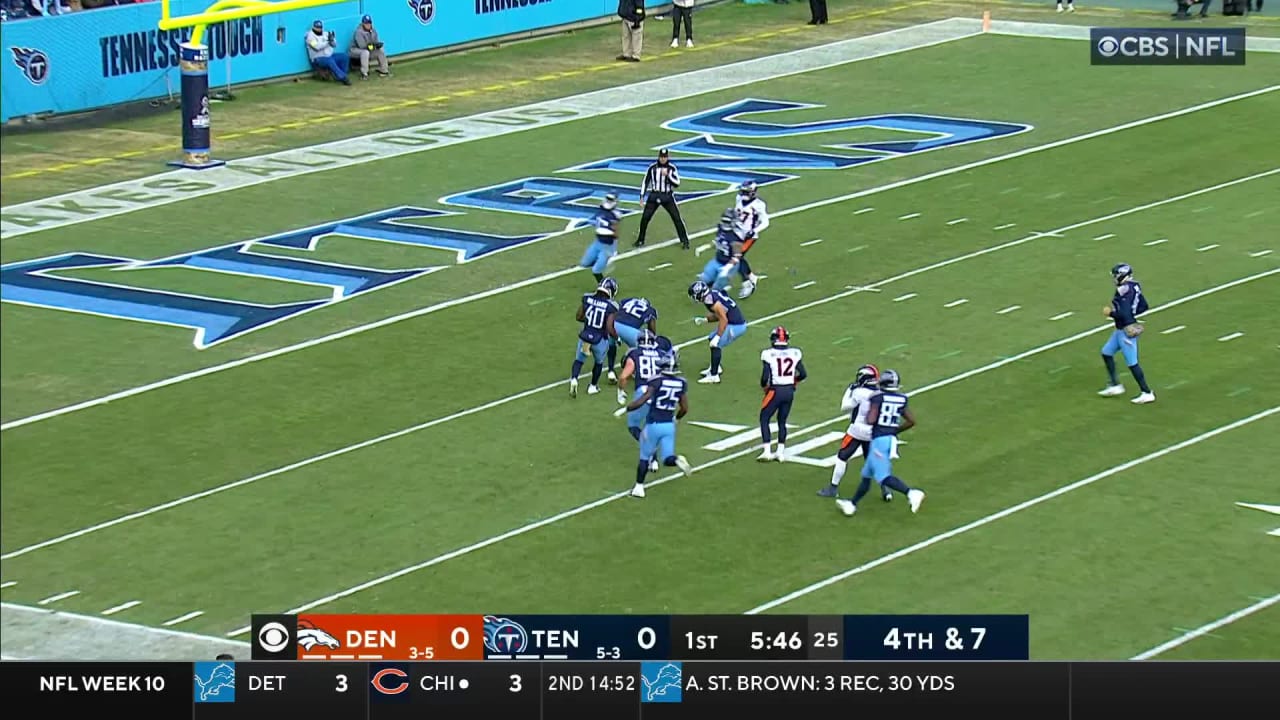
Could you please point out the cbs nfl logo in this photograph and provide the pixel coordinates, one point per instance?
(1160, 46)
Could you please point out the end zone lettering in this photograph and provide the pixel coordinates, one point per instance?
(492, 6)
(148, 50)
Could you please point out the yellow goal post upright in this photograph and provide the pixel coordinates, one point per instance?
(194, 66)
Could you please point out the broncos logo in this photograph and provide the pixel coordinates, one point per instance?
(504, 636)
(33, 63)
(310, 636)
(424, 10)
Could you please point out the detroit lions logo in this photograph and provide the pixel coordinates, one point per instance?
(424, 10)
(310, 636)
(504, 636)
(33, 63)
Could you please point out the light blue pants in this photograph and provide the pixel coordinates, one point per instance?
(627, 334)
(879, 464)
(1119, 342)
(636, 417)
(731, 333)
(597, 256)
(598, 350)
(711, 274)
(659, 437)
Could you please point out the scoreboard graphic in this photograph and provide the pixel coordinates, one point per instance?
(638, 667)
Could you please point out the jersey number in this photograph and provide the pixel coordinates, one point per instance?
(785, 366)
(647, 367)
(890, 413)
(595, 317)
(635, 308)
(668, 398)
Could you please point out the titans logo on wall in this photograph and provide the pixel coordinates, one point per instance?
(33, 63)
(43, 282)
(424, 10)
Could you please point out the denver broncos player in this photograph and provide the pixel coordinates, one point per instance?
(602, 249)
(1126, 305)
(641, 363)
(752, 217)
(596, 315)
(783, 371)
(728, 253)
(667, 399)
(857, 437)
(730, 324)
(888, 415)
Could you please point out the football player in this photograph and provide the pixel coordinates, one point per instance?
(1126, 305)
(596, 315)
(642, 364)
(783, 371)
(888, 416)
(633, 314)
(751, 219)
(857, 437)
(667, 399)
(730, 324)
(601, 250)
(728, 253)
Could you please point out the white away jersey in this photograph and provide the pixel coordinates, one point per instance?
(750, 218)
(858, 400)
(783, 364)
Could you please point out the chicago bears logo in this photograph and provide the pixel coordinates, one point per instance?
(33, 63)
(424, 10)
(504, 636)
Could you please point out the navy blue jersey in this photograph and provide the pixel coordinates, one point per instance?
(1128, 303)
(645, 362)
(595, 310)
(731, 308)
(890, 406)
(636, 312)
(606, 224)
(665, 400)
(724, 245)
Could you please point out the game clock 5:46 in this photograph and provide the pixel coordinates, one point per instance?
(776, 641)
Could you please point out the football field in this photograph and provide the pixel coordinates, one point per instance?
(341, 387)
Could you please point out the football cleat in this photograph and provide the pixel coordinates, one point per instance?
(887, 496)
(573, 387)
(592, 389)
(916, 498)
(710, 380)
(748, 288)
(653, 465)
(638, 490)
(613, 378)
(765, 456)
(846, 506)
(1144, 398)
(782, 453)
(1111, 391)
(830, 491)
(675, 43)
(684, 465)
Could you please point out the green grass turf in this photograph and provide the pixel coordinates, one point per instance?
(741, 533)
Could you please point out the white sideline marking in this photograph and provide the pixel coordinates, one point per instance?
(1232, 336)
(1062, 316)
(696, 251)
(119, 395)
(122, 607)
(987, 520)
(956, 303)
(1186, 637)
(804, 285)
(1173, 329)
(1008, 310)
(957, 221)
(842, 418)
(864, 210)
(856, 248)
(552, 385)
(1206, 248)
(96, 620)
(183, 618)
(1260, 253)
(1153, 243)
(908, 296)
(1108, 236)
(106, 200)
(8, 584)
(542, 300)
(60, 596)
(1005, 226)
(660, 266)
(811, 242)
(909, 216)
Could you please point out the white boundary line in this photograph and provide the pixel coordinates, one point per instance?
(732, 456)
(885, 559)
(873, 287)
(17, 607)
(1207, 628)
(122, 394)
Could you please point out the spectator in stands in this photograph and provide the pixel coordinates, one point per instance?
(632, 14)
(320, 51)
(683, 10)
(365, 44)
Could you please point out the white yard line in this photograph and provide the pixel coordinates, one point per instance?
(184, 377)
(988, 519)
(166, 188)
(1207, 628)
(183, 618)
(121, 607)
(572, 512)
(559, 384)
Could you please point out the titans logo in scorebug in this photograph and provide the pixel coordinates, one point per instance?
(503, 636)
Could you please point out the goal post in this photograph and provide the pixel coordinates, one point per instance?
(193, 63)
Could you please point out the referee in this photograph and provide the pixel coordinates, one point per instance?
(660, 183)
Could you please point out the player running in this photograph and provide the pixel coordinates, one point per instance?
(783, 371)
(728, 247)
(857, 437)
(1126, 305)
(888, 416)
(642, 364)
(667, 398)
(596, 315)
(603, 248)
(730, 324)
(751, 220)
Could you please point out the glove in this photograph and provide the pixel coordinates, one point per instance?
(725, 270)
(620, 412)
(372, 47)
(1133, 330)
(715, 341)
(699, 320)
(622, 396)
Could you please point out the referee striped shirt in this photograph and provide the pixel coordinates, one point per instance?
(661, 182)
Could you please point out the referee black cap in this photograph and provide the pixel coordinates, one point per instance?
(663, 152)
